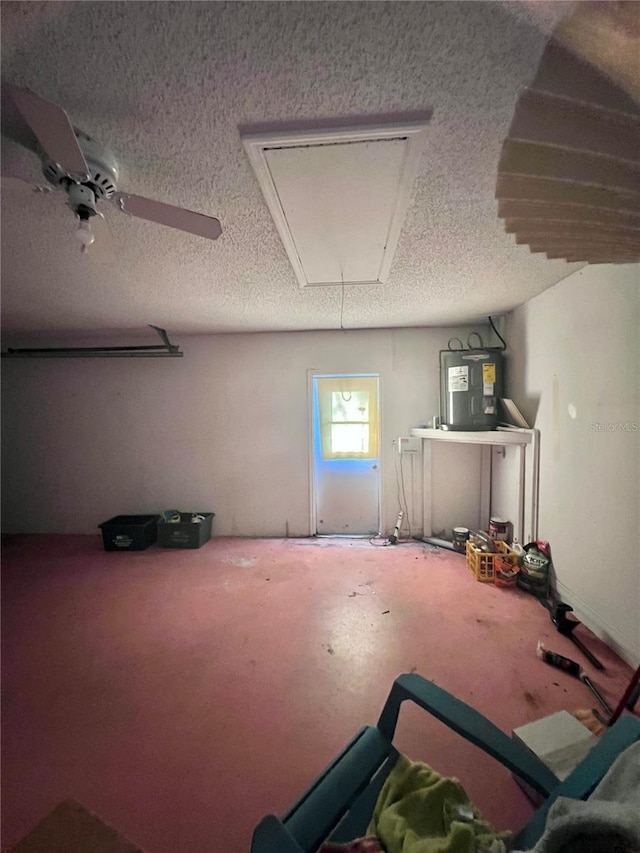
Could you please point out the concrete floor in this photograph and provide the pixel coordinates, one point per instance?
(181, 695)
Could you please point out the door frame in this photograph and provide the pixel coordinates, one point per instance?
(313, 373)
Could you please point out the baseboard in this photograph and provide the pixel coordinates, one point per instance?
(627, 648)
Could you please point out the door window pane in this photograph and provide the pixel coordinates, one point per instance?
(349, 438)
(350, 406)
(349, 416)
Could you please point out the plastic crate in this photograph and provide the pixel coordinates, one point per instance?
(185, 533)
(129, 532)
(482, 564)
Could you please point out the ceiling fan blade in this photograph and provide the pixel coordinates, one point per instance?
(12, 184)
(167, 214)
(12, 123)
(52, 128)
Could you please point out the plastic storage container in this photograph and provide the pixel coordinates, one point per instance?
(482, 564)
(186, 533)
(129, 532)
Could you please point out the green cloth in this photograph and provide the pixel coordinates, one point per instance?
(418, 811)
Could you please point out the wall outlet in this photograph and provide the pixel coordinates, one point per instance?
(409, 444)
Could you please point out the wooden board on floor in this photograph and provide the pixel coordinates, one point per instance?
(70, 828)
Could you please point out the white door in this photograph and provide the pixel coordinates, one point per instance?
(346, 455)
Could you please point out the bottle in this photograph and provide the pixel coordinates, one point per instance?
(559, 661)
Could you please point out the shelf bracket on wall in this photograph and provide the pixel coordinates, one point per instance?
(164, 350)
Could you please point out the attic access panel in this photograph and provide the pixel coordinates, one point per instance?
(339, 197)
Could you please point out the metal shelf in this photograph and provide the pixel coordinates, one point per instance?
(501, 436)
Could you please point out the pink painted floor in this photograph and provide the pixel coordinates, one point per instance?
(181, 695)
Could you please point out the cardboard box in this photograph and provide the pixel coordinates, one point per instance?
(70, 828)
(559, 741)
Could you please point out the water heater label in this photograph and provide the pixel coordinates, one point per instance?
(459, 378)
(488, 373)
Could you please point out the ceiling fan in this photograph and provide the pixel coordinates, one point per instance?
(87, 172)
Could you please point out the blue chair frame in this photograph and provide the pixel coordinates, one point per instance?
(339, 804)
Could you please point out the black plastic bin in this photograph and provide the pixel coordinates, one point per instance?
(129, 532)
(186, 533)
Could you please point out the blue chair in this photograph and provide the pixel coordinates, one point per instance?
(339, 804)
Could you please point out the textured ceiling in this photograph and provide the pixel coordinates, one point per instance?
(167, 86)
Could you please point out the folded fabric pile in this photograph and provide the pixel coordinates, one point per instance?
(420, 811)
(608, 822)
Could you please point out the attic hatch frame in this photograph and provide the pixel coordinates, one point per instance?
(413, 133)
(164, 350)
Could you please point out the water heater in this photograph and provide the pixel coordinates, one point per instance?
(471, 384)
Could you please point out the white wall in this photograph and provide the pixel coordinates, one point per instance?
(226, 428)
(574, 363)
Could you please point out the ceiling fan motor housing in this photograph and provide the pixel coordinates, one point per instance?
(101, 162)
(82, 200)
